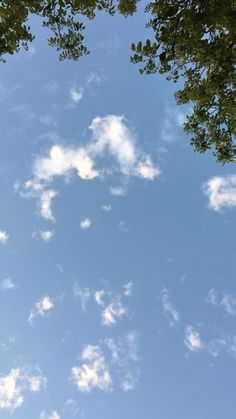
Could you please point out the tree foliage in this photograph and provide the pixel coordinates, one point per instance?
(192, 40)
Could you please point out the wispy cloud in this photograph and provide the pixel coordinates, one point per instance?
(42, 307)
(128, 289)
(52, 415)
(224, 300)
(82, 295)
(168, 308)
(221, 192)
(76, 95)
(107, 207)
(7, 284)
(93, 373)
(118, 191)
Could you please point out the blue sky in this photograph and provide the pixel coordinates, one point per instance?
(117, 242)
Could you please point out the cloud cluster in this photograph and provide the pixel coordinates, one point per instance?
(192, 339)
(42, 307)
(112, 308)
(226, 301)
(221, 192)
(14, 385)
(93, 373)
(111, 137)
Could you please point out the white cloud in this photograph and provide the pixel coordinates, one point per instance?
(13, 386)
(93, 373)
(123, 227)
(107, 207)
(168, 308)
(52, 415)
(43, 306)
(45, 204)
(192, 339)
(7, 284)
(99, 297)
(226, 301)
(112, 133)
(124, 353)
(62, 161)
(85, 223)
(73, 407)
(82, 294)
(4, 236)
(221, 192)
(76, 95)
(118, 191)
(112, 312)
(46, 235)
(128, 289)
(173, 120)
(129, 382)
(146, 170)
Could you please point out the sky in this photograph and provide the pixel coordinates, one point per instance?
(117, 242)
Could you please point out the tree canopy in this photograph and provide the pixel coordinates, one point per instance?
(192, 40)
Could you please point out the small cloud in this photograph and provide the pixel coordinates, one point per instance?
(85, 223)
(7, 284)
(76, 95)
(73, 407)
(52, 415)
(123, 227)
(46, 235)
(4, 236)
(129, 382)
(146, 170)
(221, 192)
(168, 308)
(43, 306)
(107, 207)
(112, 312)
(98, 296)
(81, 294)
(93, 373)
(118, 191)
(128, 289)
(46, 203)
(192, 339)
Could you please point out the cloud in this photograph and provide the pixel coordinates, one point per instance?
(76, 95)
(146, 170)
(118, 191)
(53, 415)
(221, 192)
(93, 373)
(168, 308)
(4, 236)
(43, 306)
(128, 289)
(192, 339)
(7, 284)
(85, 223)
(107, 207)
(111, 306)
(46, 235)
(73, 407)
(45, 204)
(98, 296)
(13, 386)
(111, 132)
(110, 136)
(62, 161)
(173, 120)
(124, 352)
(112, 312)
(81, 294)
(226, 301)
